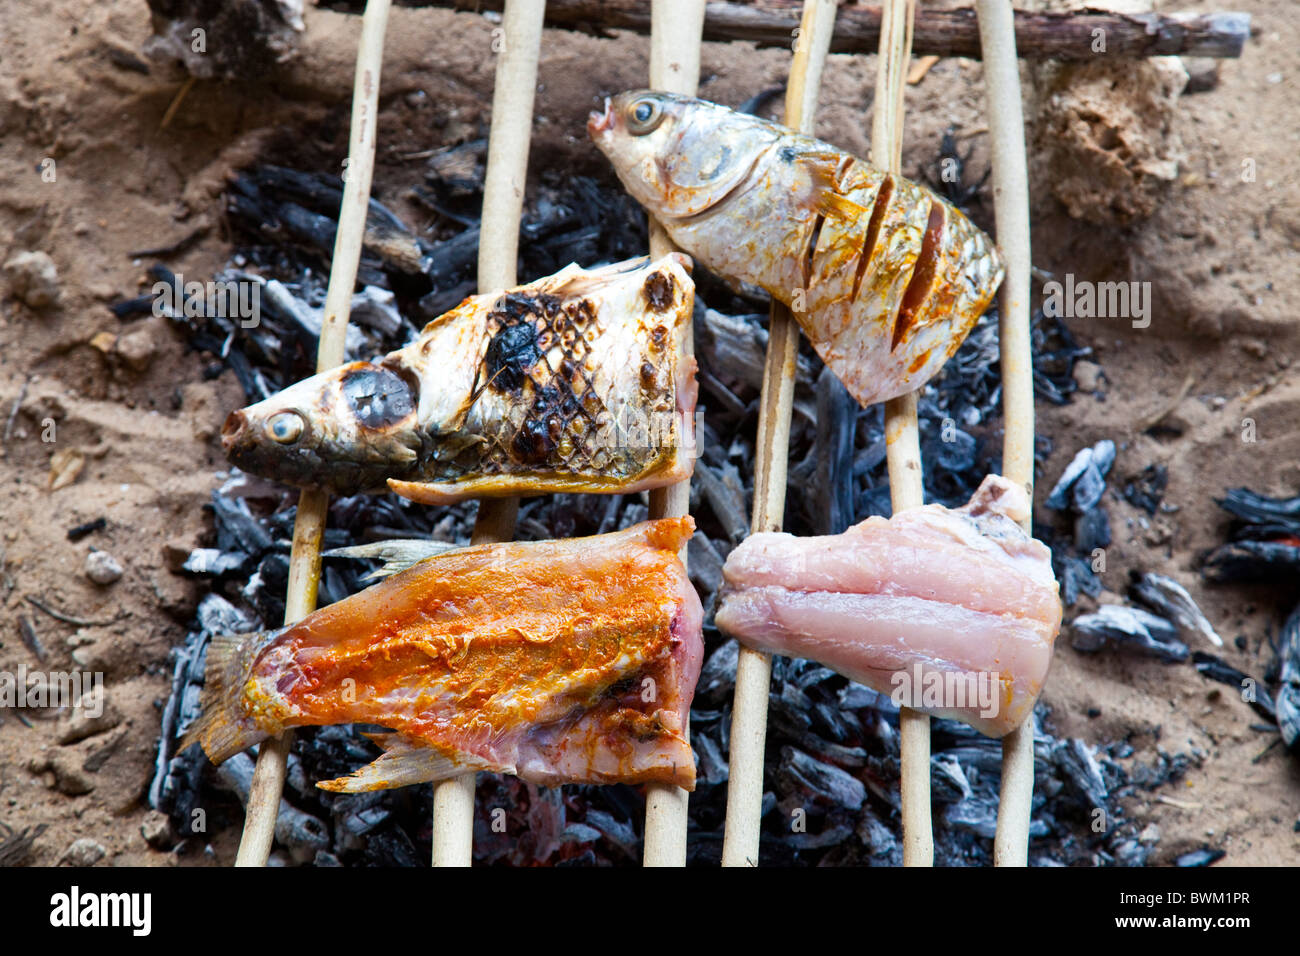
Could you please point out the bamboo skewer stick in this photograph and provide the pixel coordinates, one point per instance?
(1011, 210)
(674, 68)
(902, 437)
(503, 201)
(754, 670)
(309, 524)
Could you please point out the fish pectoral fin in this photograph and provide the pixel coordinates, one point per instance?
(404, 762)
(398, 554)
(824, 194)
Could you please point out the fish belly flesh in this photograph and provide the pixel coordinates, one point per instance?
(953, 612)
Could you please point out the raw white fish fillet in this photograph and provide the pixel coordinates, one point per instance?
(951, 611)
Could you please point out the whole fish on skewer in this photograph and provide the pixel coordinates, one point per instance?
(568, 661)
(884, 277)
(578, 382)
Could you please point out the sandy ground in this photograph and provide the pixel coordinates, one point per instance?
(1221, 254)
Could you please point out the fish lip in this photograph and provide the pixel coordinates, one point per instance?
(600, 123)
(231, 429)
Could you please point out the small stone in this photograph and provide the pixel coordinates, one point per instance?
(33, 278)
(1150, 835)
(136, 349)
(1255, 348)
(102, 567)
(93, 715)
(85, 852)
(66, 776)
(103, 341)
(157, 830)
(1202, 74)
(1087, 375)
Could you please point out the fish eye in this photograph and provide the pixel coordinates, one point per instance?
(643, 116)
(285, 427)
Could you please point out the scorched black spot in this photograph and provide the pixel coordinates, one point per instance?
(658, 291)
(378, 397)
(512, 351)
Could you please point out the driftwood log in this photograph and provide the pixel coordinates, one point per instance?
(1039, 36)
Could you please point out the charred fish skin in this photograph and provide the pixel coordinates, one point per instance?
(961, 599)
(568, 661)
(885, 277)
(581, 381)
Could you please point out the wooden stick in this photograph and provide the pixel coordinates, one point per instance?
(1011, 209)
(1039, 36)
(503, 201)
(772, 453)
(309, 524)
(674, 68)
(902, 437)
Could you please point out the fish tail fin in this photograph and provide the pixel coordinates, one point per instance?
(223, 728)
(405, 761)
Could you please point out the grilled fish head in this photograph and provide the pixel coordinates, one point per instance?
(679, 156)
(348, 430)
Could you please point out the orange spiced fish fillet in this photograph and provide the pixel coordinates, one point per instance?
(558, 661)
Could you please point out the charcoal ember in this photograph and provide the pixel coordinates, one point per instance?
(1055, 353)
(953, 449)
(948, 783)
(789, 708)
(214, 562)
(1128, 628)
(718, 672)
(834, 835)
(884, 847)
(830, 722)
(1129, 852)
(1288, 692)
(808, 779)
(1253, 561)
(1076, 576)
(1201, 857)
(1147, 489)
(1091, 530)
(1079, 770)
(1251, 690)
(237, 529)
(391, 846)
(979, 815)
(1084, 480)
(725, 493)
(619, 833)
(216, 615)
(841, 755)
(1275, 514)
(265, 586)
(1170, 600)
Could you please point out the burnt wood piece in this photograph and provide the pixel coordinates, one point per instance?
(1039, 36)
